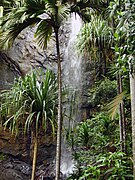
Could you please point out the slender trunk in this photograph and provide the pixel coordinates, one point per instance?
(1, 11)
(104, 64)
(132, 94)
(58, 149)
(121, 117)
(100, 61)
(124, 125)
(35, 139)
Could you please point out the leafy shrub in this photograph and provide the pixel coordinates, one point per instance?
(31, 102)
(96, 142)
(2, 156)
(97, 132)
(109, 166)
(102, 92)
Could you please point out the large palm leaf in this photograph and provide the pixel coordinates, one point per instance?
(29, 12)
(19, 17)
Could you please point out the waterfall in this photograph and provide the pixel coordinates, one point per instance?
(72, 70)
(72, 80)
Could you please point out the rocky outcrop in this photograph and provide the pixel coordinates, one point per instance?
(17, 165)
(19, 147)
(26, 52)
(12, 169)
(9, 69)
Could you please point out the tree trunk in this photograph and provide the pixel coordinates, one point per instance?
(122, 125)
(1, 11)
(58, 149)
(35, 139)
(132, 94)
(100, 61)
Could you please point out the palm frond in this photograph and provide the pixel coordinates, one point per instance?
(113, 106)
(63, 12)
(51, 9)
(43, 33)
(35, 7)
(11, 30)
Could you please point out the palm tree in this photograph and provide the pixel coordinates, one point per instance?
(48, 15)
(31, 105)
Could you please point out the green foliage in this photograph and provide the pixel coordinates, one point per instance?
(95, 35)
(102, 92)
(30, 12)
(2, 156)
(84, 134)
(30, 103)
(96, 150)
(94, 136)
(124, 34)
(99, 132)
(106, 167)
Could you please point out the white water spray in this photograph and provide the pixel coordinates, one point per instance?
(72, 80)
(72, 69)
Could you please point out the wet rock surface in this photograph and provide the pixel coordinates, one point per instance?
(13, 169)
(18, 164)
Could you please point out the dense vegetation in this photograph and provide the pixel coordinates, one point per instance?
(103, 144)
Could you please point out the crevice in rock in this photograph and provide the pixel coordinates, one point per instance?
(13, 66)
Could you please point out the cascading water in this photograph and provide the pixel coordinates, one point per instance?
(72, 80)
(72, 70)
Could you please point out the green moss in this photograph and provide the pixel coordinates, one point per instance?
(3, 156)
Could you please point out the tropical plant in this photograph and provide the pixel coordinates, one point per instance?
(95, 150)
(102, 92)
(101, 165)
(31, 105)
(85, 7)
(108, 166)
(123, 15)
(95, 135)
(95, 41)
(48, 15)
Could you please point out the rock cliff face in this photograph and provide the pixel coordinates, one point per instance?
(26, 52)
(9, 69)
